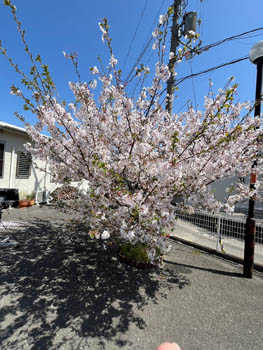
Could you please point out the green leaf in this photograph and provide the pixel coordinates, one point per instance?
(32, 71)
(170, 10)
(6, 2)
(3, 51)
(38, 59)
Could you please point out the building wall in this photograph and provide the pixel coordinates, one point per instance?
(37, 181)
(219, 188)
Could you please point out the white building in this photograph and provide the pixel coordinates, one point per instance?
(17, 170)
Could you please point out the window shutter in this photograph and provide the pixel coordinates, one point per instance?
(23, 166)
(2, 147)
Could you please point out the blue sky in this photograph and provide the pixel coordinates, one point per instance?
(53, 26)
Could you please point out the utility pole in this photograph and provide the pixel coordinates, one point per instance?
(173, 46)
(256, 57)
(189, 23)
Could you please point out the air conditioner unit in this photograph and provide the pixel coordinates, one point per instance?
(42, 197)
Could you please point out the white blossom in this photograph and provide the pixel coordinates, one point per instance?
(93, 84)
(113, 61)
(16, 92)
(94, 70)
(163, 19)
(131, 235)
(155, 33)
(105, 234)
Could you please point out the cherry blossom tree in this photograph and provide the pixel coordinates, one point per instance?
(136, 156)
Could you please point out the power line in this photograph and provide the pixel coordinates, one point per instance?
(193, 86)
(146, 44)
(207, 47)
(234, 37)
(136, 30)
(179, 81)
(202, 49)
(155, 19)
(139, 58)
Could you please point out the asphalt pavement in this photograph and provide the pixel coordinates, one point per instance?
(57, 294)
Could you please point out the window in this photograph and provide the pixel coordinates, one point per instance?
(2, 159)
(23, 165)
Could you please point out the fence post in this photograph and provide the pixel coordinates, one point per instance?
(218, 242)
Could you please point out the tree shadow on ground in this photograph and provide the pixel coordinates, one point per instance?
(54, 292)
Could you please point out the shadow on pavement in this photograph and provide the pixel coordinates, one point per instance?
(52, 292)
(184, 267)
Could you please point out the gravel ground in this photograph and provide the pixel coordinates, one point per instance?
(58, 295)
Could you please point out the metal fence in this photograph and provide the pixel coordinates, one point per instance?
(222, 232)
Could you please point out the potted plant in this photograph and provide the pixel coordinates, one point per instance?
(26, 200)
(30, 199)
(22, 200)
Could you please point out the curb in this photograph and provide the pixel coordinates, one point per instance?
(226, 256)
